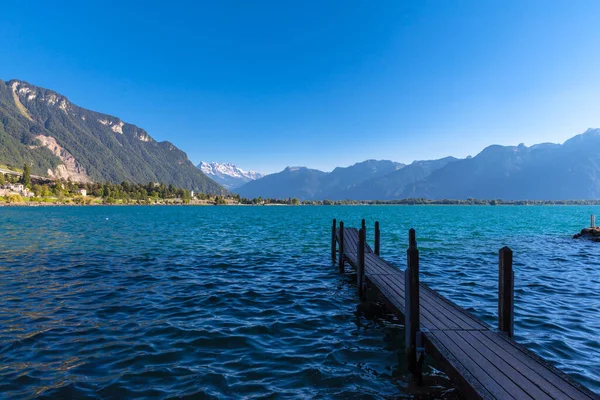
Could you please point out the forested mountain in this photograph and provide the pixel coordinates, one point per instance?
(63, 140)
(547, 171)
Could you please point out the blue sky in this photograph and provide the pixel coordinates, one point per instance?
(266, 84)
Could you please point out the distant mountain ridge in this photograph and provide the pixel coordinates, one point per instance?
(547, 171)
(392, 186)
(306, 184)
(300, 182)
(228, 175)
(63, 140)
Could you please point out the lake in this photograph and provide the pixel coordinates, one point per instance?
(114, 302)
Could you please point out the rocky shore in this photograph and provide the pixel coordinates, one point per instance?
(592, 234)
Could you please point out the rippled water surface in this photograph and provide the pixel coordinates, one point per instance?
(115, 302)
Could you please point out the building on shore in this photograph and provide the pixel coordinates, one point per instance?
(15, 188)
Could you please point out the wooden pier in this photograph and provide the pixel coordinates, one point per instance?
(484, 363)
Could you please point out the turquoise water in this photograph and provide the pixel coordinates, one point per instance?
(217, 302)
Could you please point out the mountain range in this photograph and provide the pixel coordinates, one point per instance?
(545, 171)
(63, 140)
(228, 175)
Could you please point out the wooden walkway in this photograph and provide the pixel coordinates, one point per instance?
(483, 363)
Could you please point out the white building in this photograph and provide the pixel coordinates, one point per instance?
(15, 188)
(83, 192)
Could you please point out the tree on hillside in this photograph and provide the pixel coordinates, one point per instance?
(26, 180)
(2, 179)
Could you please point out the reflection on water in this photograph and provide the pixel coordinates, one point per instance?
(244, 302)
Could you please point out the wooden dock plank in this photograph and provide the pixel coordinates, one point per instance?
(390, 284)
(540, 366)
(396, 298)
(511, 379)
(484, 363)
(480, 374)
(520, 362)
(450, 315)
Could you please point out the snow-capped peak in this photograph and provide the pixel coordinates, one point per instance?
(228, 175)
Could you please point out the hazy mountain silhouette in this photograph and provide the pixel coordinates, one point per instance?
(300, 182)
(305, 183)
(539, 172)
(544, 171)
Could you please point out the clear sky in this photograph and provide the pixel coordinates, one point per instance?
(266, 84)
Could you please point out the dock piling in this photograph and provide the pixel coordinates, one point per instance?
(377, 238)
(592, 221)
(506, 284)
(363, 225)
(333, 246)
(412, 324)
(341, 241)
(360, 271)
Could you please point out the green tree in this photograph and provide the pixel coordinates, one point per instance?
(37, 190)
(295, 201)
(45, 191)
(2, 179)
(220, 200)
(58, 190)
(27, 176)
(14, 198)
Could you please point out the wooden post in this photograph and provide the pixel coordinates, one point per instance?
(341, 247)
(412, 323)
(360, 273)
(333, 248)
(377, 238)
(506, 291)
(363, 225)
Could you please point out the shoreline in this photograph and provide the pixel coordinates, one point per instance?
(519, 204)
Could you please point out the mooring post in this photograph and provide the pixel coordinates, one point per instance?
(592, 221)
(363, 225)
(360, 273)
(506, 286)
(333, 227)
(377, 238)
(412, 322)
(341, 247)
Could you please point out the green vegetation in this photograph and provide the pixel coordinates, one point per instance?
(108, 149)
(14, 198)
(220, 200)
(67, 192)
(26, 177)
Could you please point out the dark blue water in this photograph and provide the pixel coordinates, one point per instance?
(115, 302)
